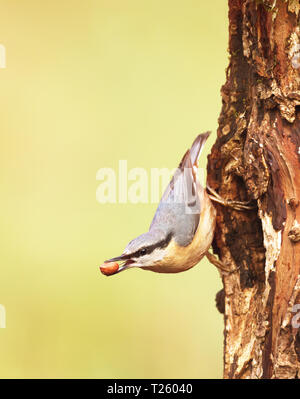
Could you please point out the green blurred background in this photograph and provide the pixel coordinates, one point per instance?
(86, 84)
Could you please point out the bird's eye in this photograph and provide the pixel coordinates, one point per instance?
(143, 252)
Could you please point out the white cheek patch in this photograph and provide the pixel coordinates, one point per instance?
(149, 259)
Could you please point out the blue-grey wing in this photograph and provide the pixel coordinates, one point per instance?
(179, 209)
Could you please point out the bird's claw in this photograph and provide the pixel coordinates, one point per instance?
(220, 265)
(237, 205)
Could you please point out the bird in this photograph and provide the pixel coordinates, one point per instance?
(183, 226)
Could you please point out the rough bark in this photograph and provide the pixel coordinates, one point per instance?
(257, 157)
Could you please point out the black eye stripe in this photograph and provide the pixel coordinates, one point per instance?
(147, 250)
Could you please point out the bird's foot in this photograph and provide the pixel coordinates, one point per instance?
(237, 205)
(220, 265)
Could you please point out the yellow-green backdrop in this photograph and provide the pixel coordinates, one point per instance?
(85, 85)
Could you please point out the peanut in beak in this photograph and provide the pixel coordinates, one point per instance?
(109, 268)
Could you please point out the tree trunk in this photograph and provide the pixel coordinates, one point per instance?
(257, 157)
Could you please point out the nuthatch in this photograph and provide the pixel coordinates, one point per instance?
(183, 226)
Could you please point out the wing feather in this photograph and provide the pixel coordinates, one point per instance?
(180, 204)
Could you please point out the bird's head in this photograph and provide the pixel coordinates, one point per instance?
(146, 250)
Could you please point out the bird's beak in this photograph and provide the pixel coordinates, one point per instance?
(118, 258)
(125, 259)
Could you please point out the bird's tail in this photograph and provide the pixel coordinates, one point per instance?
(185, 180)
(197, 147)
